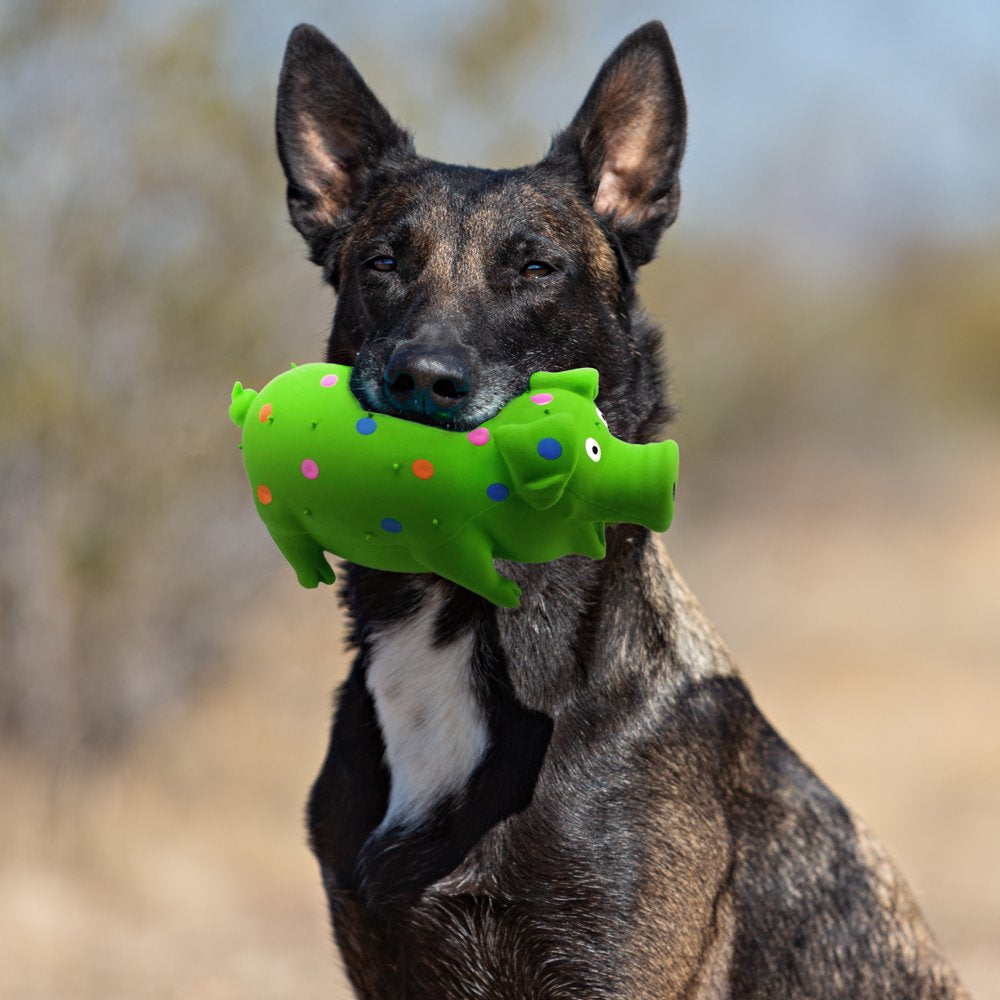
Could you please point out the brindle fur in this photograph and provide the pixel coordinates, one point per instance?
(636, 828)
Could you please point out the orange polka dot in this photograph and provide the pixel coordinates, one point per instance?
(423, 469)
(265, 412)
(263, 494)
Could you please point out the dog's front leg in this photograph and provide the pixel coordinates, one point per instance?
(349, 797)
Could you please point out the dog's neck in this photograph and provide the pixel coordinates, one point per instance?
(468, 696)
(606, 628)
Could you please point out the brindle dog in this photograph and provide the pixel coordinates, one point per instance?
(577, 798)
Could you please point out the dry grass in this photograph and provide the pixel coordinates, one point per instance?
(181, 871)
(861, 604)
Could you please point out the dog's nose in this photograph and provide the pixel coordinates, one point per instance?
(433, 381)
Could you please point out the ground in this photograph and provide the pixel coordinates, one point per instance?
(859, 595)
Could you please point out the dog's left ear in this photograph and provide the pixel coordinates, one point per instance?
(626, 142)
(333, 134)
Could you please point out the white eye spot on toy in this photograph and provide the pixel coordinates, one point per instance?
(593, 450)
(603, 419)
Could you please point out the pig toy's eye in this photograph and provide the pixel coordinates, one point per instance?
(593, 450)
(601, 417)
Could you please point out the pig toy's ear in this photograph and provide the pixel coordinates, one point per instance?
(541, 457)
(582, 381)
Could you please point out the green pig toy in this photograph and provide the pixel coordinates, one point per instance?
(538, 481)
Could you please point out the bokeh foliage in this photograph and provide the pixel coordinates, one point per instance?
(147, 262)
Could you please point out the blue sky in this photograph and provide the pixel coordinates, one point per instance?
(879, 114)
(830, 130)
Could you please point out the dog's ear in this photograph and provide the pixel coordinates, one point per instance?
(332, 135)
(626, 142)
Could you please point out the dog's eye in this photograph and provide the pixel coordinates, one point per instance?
(593, 450)
(536, 269)
(383, 264)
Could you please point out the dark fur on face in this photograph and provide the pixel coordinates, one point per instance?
(635, 828)
(461, 237)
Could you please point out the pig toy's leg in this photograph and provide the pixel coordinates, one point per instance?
(306, 557)
(587, 539)
(472, 567)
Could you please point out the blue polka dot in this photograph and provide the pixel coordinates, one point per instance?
(497, 491)
(365, 426)
(549, 448)
(390, 524)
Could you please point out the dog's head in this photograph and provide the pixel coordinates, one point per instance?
(456, 283)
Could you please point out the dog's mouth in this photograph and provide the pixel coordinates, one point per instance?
(344, 356)
(465, 409)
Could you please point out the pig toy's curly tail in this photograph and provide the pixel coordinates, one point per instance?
(242, 398)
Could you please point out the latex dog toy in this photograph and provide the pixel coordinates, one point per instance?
(538, 481)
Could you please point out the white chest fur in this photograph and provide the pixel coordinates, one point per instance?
(432, 723)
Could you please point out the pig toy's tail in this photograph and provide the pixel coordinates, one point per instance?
(242, 398)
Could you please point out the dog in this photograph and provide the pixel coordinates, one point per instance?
(577, 798)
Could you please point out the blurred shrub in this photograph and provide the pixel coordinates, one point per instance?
(147, 263)
(759, 348)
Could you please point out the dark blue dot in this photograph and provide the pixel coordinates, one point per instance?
(365, 426)
(392, 525)
(497, 491)
(549, 448)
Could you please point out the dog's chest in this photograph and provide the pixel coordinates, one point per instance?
(432, 723)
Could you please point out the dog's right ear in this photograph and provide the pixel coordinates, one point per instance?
(332, 135)
(625, 145)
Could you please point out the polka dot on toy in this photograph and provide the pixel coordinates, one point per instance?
(549, 448)
(423, 469)
(497, 492)
(479, 436)
(309, 468)
(391, 525)
(265, 412)
(264, 494)
(541, 398)
(365, 426)
(327, 381)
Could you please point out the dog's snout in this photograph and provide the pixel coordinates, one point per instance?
(432, 381)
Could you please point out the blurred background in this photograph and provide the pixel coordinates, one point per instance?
(831, 296)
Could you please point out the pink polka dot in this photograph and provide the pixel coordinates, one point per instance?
(479, 436)
(328, 380)
(541, 398)
(310, 469)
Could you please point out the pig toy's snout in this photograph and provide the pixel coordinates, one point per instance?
(632, 483)
(652, 484)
